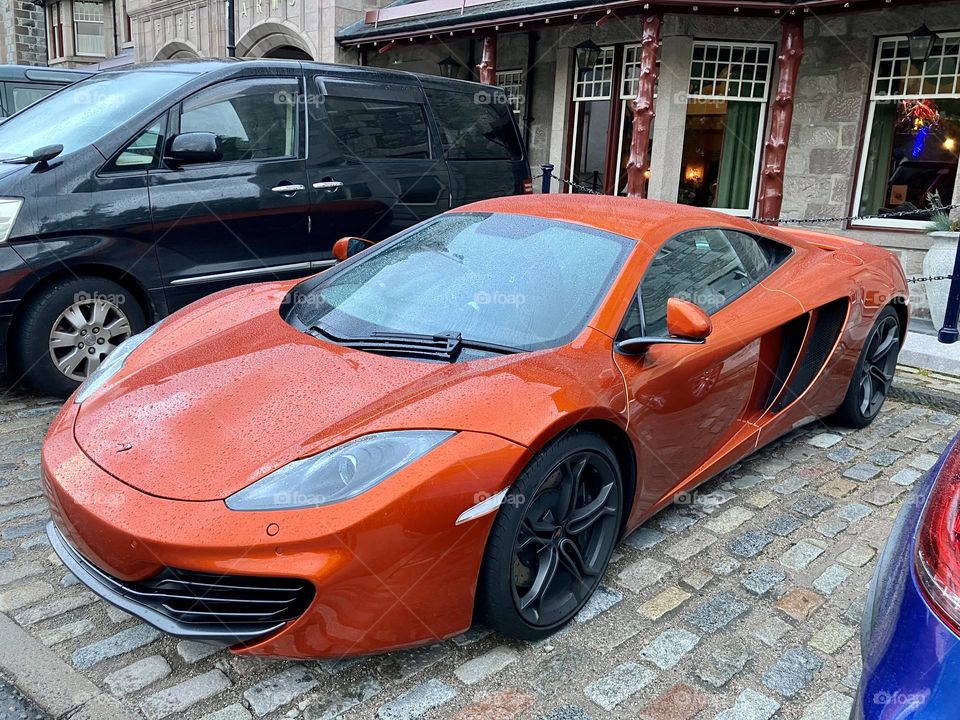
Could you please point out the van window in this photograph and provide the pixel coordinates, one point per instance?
(378, 129)
(83, 113)
(475, 126)
(254, 119)
(142, 152)
(20, 95)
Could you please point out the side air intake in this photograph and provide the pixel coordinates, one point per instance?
(827, 324)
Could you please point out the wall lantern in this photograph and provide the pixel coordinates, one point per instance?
(921, 45)
(588, 52)
(449, 67)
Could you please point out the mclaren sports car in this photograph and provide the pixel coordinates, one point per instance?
(460, 422)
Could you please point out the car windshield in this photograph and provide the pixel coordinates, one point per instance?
(83, 113)
(512, 280)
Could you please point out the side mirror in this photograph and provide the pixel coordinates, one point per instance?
(688, 321)
(349, 246)
(687, 324)
(193, 147)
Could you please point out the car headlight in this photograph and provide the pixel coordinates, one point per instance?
(339, 473)
(9, 209)
(112, 364)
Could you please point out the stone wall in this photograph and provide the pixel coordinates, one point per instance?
(23, 38)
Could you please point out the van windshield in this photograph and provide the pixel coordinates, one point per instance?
(83, 113)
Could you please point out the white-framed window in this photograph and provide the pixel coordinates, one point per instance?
(88, 27)
(55, 47)
(592, 91)
(596, 83)
(512, 83)
(912, 134)
(726, 111)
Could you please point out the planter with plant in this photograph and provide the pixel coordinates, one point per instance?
(939, 259)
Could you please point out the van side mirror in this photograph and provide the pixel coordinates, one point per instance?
(687, 323)
(193, 147)
(349, 246)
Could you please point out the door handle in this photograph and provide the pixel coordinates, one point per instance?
(287, 189)
(328, 185)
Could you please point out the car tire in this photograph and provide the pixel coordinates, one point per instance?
(92, 312)
(873, 374)
(556, 529)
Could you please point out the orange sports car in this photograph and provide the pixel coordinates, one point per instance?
(461, 421)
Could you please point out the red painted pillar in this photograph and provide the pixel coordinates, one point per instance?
(643, 112)
(781, 118)
(488, 62)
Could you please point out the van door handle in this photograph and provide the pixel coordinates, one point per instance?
(328, 185)
(287, 189)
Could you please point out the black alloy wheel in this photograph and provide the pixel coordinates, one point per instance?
(549, 548)
(873, 375)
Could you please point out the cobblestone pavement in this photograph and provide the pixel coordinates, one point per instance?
(742, 602)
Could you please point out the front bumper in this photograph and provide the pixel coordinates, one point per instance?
(911, 659)
(215, 608)
(390, 568)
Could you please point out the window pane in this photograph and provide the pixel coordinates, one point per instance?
(376, 129)
(86, 111)
(719, 154)
(508, 279)
(700, 266)
(904, 164)
(88, 20)
(143, 152)
(253, 119)
(23, 95)
(475, 126)
(593, 121)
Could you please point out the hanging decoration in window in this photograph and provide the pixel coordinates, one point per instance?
(921, 116)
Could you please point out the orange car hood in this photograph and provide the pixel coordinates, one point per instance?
(226, 392)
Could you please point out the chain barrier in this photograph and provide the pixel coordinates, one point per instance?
(796, 221)
(930, 278)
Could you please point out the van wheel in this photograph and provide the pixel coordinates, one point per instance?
(69, 328)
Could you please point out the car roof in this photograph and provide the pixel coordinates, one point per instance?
(639, 220)
(200, 66)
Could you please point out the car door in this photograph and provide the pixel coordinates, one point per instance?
(374, 166)
(687, 401)
(242, 218)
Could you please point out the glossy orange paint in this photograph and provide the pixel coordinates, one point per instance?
(686, 320)
(226, 392)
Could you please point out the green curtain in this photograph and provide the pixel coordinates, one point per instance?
(876, 171)
(738, 154)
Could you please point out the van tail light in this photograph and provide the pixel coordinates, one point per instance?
(938, 541)
(528, 186)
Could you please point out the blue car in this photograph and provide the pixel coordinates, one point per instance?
(910, 637)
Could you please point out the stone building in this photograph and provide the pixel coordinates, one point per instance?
(304, 29)
(870, 131)
(22, 37)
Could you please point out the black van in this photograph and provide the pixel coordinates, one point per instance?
(23, 85)
(136, 191)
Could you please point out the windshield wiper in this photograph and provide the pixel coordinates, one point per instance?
(439, 346)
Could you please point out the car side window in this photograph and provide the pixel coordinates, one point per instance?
(475, 126)
(142, 152)
(709, 267)
(378, 129)
(254, 119)
(21, 95)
